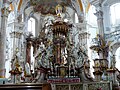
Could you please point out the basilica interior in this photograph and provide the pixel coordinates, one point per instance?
(60, 44)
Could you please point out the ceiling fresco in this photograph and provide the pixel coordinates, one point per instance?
(48, 6)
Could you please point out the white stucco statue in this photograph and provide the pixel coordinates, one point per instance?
(27, 69)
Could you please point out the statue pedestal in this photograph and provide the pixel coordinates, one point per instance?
(100, 67)
(15, 75)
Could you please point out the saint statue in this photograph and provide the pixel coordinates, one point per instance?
(27, 69)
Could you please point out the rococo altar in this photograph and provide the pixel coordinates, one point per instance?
(59, 61)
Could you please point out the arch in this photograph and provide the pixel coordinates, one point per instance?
(29, 11)
(78, 8)
(115, 47)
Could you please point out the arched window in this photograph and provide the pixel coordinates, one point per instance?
(31, 26)
(117, 57)
(115, 14)
(76, 18)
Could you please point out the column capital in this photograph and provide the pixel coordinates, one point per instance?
(99, 14)
(5, 8)
(15, 34)
(5, 11)
(85, 35)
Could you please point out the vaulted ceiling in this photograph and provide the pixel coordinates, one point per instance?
(48, 6)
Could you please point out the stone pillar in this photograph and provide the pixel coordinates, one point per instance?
(107, 20)
(99, 14)
(4, 16)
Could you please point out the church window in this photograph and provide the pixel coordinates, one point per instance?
(76, 18)
(115, 14)
(31, 26)
(117, 57)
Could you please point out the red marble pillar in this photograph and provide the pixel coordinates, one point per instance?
(28, 51)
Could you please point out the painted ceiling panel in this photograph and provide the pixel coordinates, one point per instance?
(48, 6)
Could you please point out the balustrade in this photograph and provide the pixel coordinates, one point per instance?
(83, 86)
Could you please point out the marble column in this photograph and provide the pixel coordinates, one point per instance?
(28, 50)
(107, 19)
(4, 16)
(99, 14)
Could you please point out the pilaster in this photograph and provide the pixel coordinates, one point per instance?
(4, 16)
(17, 52)
(16, 36)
